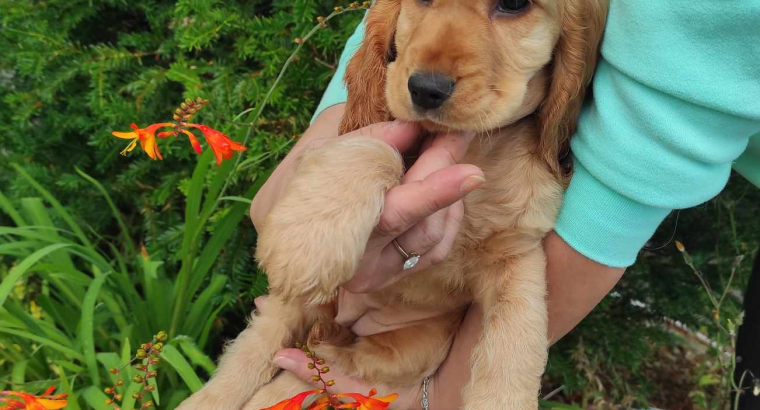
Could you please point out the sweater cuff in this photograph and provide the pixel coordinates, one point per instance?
(602, 224)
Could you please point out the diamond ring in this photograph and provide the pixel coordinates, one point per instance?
(410, 258)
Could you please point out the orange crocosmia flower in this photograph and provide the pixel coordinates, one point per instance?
(146, 136)
(221, 144)
(295, 402)
(371, 403)
(27, 401)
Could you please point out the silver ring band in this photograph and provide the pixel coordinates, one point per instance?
(410, 258)
(425, 401)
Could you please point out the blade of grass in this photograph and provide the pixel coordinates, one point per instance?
(87, 328)
(7, 207)
(38, 215)
(183, 368)
(19, 371)
(96, 398)
(56, 205)
(203, 306)
(114, 210)
(196, 356)
(43, 341)
(66, 387)
(6, 286)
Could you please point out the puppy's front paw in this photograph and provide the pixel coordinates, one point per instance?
(314, 237)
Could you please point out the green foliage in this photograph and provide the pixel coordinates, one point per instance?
(67, 302)
(81, 69)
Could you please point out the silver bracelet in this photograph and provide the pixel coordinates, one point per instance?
(425, 401)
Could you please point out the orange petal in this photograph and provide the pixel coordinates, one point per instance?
(125, 135)
(295, 402)
(193, 141)
(52, 404)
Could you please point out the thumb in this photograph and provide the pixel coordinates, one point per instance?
(296, 362)
(400, 135)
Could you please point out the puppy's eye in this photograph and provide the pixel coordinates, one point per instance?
(511, 6)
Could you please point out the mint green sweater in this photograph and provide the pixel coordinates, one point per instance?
(676, 104)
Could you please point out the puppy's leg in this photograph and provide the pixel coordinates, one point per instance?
(285, 385)
(314, 237)
(395, 358)
(247, 363)
(508, 361)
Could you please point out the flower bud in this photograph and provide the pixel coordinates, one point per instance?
(136, 395)
(324, 369)
(138, 378)
(113, 370)
(315, 378)
(108, 390)
(141, 354)
(120, 382)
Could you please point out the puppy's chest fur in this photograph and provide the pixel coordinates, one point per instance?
(505, 218)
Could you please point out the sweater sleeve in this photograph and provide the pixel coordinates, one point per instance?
(336, 91)
(674, 105)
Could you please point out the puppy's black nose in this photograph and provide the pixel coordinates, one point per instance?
(430, 90)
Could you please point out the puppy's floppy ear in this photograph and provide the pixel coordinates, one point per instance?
(365, 74)
(573, 66)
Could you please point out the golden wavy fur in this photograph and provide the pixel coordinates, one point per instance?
(519, 81)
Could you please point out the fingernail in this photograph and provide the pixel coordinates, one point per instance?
(395, 123)
(284, 363)
(471, 183)
(469, 135)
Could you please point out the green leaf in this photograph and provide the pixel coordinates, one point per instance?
(708, 380)
(196, 356)
(5, 206)
(96, 398)
(56, 205)
(43, 341)
(114, 210)
(66, 387)
(183, 368)
(185, 75)
(87, 328)
(19, 372)
(19, 270)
